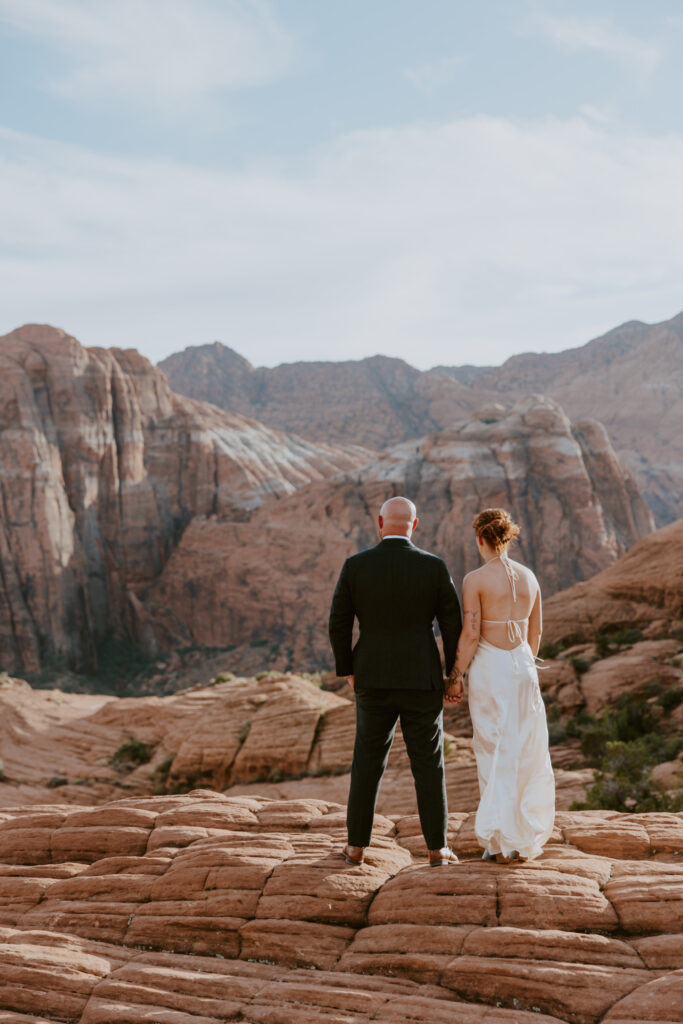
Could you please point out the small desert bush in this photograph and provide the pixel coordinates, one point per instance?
(131, 754)
(624, 782)
(550, 650)
(670, 698)
(610, 642)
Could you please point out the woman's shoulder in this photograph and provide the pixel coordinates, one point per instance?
(524, 570)
(474, 576)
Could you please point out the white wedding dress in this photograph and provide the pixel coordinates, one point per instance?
(517, 807)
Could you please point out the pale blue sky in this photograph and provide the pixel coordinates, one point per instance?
(302, 179)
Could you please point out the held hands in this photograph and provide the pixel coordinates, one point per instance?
(350, 681)
(454, 688)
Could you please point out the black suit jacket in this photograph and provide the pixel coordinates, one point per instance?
(396, 591)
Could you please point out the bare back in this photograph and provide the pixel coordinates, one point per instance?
(509, 603)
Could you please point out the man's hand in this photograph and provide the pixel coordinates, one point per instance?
(350, 681)
(454, 689)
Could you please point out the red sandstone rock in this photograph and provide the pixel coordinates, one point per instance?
(269, 579)
(261, 919)
(103, 467)
(631, 378)
(642, 587)
(276, 728)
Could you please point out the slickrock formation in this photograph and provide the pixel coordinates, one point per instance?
(643, 588)
(631, 379)
(102, 469)
(268, 580)
(278, 735)
(374, 402)
(203, 908)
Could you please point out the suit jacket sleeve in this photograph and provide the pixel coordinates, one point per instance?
(342, 614)
(448, 616)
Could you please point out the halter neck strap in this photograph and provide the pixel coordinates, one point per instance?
(511, 574)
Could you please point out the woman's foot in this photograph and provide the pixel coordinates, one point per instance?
(514, 858)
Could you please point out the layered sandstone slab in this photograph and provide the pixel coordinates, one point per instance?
(280, 736)
(643, 588)
(103, 466)
(256, 917)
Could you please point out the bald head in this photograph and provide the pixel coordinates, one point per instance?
(397, 516)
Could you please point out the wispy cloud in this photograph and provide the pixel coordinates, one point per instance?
(454, 242)
(166, 56)
(600, 35)
(431, 77)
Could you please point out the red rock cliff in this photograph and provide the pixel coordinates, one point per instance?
(103, 467)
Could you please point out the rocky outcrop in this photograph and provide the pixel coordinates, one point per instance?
(103, 467)
(277, 735)
(204, 908)
(268, 581)
(642, 589)
(631, 379)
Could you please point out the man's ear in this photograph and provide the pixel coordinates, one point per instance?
(415, 522)
(380, 520)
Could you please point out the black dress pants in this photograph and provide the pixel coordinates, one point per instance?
(421, 716)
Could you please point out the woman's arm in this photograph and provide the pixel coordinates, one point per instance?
(536, 624)
(468, 642)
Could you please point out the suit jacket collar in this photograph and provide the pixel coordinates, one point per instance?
(400, 542)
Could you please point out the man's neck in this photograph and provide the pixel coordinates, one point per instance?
(395, 536)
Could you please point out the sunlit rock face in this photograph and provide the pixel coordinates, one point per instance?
(630, 379)
(268, 580)
(102, 468)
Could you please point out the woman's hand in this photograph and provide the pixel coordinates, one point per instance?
(454, 689)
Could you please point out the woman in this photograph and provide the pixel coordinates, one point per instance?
(498, 645)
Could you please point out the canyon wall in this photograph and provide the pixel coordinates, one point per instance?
(631, 379)
(267, 581)
(102, 469)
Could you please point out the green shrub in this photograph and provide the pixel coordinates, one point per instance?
(131, 753)
(550, 650)
(610, 641)
(447, 745)
(669, 699)
(223, 677)
(624, 782)
(163, 770)
(2, 771)
(557, 731)
(580, 664)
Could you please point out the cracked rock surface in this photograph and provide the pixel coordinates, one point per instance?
(202, 907)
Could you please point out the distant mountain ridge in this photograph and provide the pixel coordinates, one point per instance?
(631, 379)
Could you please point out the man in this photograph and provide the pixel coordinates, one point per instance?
(395, 590)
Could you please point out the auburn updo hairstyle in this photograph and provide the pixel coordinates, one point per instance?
(496, 526)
